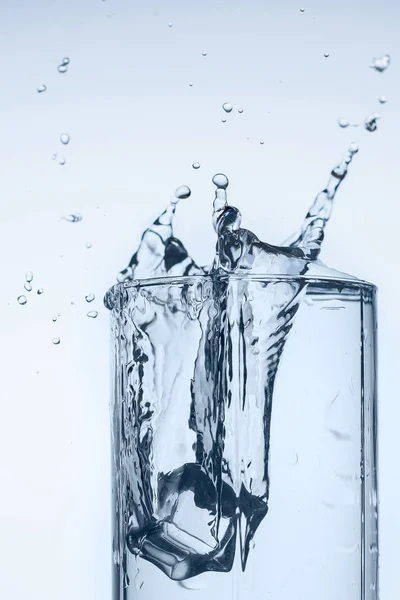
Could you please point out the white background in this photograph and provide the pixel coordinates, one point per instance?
(136, 127)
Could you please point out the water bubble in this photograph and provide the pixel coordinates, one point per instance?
(382, 99)
(371, 122)
(62, 161)
(56, 341)
(223, 120)
(326, 54)
(40, 291)
(221, 181)
(381, 63)
(29, 276)
(343, 123)
(22, 300)
(227, 107)
(90, 297)
(62, 68)
(196, 165)
(88, 245)
(92, 314)
(240, 110)
(28, 286)
(204, 53)
(64, 138)
(42, 88)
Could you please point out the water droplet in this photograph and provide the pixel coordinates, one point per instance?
(28, 286)
(196, 165)
(381, 63)
(90, 297)
(42, 88)
(64, 138)
(373, 548)
(62, 68)
(240, 110)
(62, 161)
(92, 314)
(204, 53)
(221, 181)
(56, 341)
(223, 120)
(262, 142)
(58, 314)
(40, 291)
(227, 107)
(383, 99)
(371, 122)
(73, 218)
(343, 123)
(373, 586)
(190, 84)
(29, 276)
(326, 54)
(88, 245)
(54, 156)
(65, 61)
(54, 319)
(302, 10)
(182, 192)
(170, 24)
(22, 300)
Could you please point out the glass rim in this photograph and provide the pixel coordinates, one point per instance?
(276, 278)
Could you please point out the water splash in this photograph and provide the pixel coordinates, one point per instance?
(208, 503)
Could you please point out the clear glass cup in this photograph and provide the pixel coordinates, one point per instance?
(244, 439)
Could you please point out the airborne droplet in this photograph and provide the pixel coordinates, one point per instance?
(64, 138)
(223, 120)
(371, 122)
(227, 107)
(40, 291)
(56, 341)
(62, 161)
(240, 110)
(90, 297)
(22, 300)
(88, 245)
(381, 63)
(204, 53)
(74, 218)
(62, 68)
(92, 314)
(28, 286)
(196, 165)
(382, 99)
(343, 123)
(29, 276)
(302, 10)
(326, 55)
(42, 88)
